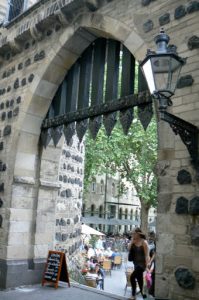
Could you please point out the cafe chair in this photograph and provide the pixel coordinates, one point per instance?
(128, 273)
(91, 283)
(117, 262)
(107, 266)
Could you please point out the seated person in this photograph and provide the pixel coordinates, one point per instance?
(108, 252)
(91, 275)
(114, 254)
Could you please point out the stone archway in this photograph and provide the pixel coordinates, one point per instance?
(24, 158)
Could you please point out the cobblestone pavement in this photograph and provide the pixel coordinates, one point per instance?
(114, 287)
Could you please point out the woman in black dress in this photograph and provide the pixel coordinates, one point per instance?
(140, 256)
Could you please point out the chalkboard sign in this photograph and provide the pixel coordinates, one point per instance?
(55, 269)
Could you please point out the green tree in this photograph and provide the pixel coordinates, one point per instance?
(133, 156)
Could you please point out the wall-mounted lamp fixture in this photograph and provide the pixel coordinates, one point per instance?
(161, 70)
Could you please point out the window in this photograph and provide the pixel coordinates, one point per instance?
(120, 213)
(92, 210)
(113, 189)
(126, 213)
(101, 211)
(16, 7)
(101, 186)
(93, 186)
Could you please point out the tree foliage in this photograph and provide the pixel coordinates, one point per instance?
(133, 156)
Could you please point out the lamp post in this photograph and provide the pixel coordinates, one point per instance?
(161, 70)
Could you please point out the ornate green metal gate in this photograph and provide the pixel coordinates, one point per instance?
(104, 80)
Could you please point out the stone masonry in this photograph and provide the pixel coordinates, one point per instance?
(36, 51)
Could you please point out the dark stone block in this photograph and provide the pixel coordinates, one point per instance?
(146, 2)
(49, 32)
(194, 206)
(20, 66)
(4, 75)
(7, 103)
(7, 130)
(60, 177)
(39, 56)
(148, 26)
(27, 62)
(31, 77)
(2, 105)
(1, 221)
(184, 81)
(12, 102)
(16, 112)
(185, 278)
(195, 235)
(3, 116)
(1, 202)
(58, 236)
(62, 222)
(182, 206)
(63, 194)
(180, 12)
(192, 7)
(1, 146)
(184, 177)
(193, 42)
(64, 237)
(165, 19)
(18, 100)
(68, 221)
(10, 114)
(8, 89)
(57, 27)
(8, 56)
(27, 45)
(2, 187)
(23, 82)
(16, 83)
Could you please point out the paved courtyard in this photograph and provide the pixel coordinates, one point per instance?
(114, 288)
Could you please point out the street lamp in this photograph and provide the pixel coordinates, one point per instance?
(161, 70)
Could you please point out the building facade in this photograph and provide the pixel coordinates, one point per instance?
(37, 49)
(103, 200)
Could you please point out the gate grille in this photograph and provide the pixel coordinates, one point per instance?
(104, 80)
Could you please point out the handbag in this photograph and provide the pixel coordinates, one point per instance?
(130, 255)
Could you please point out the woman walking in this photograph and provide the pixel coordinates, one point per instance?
(139, 255)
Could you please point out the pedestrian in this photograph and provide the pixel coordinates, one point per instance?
(139, 255)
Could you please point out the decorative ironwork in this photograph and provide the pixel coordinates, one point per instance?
(188, 134)
(94, 126)
(56, 134)
(81, 128)
(109, 121)
(89, 112)
(100, 83)
(69, 131)
(126, 118)
(145, 114)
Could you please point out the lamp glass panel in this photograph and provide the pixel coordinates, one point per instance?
(161, 67)
(175, 68)
(148, 73)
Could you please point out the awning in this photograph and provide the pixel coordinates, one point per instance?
(90, 231)
(96, 220)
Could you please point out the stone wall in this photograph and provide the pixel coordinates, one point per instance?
(36, 50)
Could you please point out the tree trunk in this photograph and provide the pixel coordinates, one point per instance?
(144, 216)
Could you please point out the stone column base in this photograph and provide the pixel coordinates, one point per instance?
(15, 273)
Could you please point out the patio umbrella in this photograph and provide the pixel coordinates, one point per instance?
(89, 230)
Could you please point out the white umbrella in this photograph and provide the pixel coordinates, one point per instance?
(89, 230)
